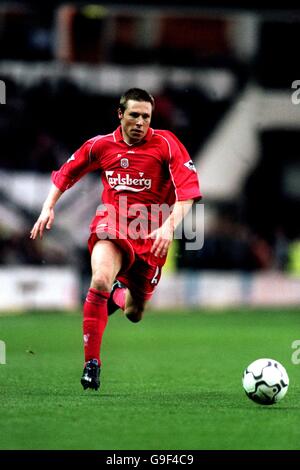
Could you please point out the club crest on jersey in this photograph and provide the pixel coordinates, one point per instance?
(124, 162)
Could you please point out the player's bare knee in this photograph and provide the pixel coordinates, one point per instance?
(101, 281)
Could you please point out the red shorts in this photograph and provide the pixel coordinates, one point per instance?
(141, 270)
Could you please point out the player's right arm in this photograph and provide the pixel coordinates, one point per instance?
(46, 217)
(80, 163)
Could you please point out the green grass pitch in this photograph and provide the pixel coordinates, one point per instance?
(173, 381)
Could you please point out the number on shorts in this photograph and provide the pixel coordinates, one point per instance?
(154, 280)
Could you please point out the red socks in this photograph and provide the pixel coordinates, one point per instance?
(94, 322)
(119, 297)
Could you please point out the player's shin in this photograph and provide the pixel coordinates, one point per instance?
(94, 323)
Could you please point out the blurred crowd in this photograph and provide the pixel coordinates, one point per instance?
(42, 124)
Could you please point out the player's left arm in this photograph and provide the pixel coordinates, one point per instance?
(186, 186)
(164, 234)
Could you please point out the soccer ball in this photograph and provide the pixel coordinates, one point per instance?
(265, 381)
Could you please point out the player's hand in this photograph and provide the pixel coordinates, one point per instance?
(163, 239)
(45, 220)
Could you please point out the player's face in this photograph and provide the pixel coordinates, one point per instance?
(135, 120)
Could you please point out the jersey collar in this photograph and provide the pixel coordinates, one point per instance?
(119, 137)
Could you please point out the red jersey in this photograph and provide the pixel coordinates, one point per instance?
(154, 171)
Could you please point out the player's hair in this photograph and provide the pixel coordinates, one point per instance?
(136, 94)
